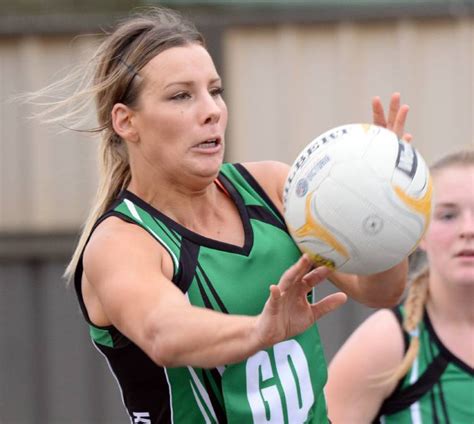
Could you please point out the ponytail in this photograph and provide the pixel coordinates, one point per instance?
(114, 177)
(113, 76)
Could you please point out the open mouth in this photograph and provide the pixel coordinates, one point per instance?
(467, 253)
(209, 144)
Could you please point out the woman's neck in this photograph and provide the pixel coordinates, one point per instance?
(450, 302)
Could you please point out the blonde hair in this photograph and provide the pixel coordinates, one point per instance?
(418, 293)
(113, 76)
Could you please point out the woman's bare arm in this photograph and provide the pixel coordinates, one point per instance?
(358, 373)
(128, 273)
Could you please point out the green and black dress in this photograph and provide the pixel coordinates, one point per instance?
(283, 384)
(438, 388)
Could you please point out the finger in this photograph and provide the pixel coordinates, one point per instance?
(393, 110)
(407, 137)
(399, 125)
(273, 300)
(378, 115)
(295, 273)
(311, 279)
(316, 276)
(275, 293)
(328, 304)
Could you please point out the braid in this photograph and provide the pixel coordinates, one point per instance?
(414, 308)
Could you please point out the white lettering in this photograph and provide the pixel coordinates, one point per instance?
(265, 402)
(141, 418)
(293, 372)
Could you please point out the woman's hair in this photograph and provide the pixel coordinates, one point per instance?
(418, 291)
(115, 78)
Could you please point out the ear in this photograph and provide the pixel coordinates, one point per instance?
(122, 122)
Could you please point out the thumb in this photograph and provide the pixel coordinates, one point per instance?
(328, 304)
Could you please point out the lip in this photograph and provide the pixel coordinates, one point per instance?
(465, 256)
(203, 148)
(465, 253)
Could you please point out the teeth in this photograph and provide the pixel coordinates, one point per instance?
(209, 143)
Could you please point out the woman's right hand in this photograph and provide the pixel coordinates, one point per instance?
(287, 311)
(396, 118)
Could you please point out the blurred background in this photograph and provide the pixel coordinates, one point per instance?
(292, 69)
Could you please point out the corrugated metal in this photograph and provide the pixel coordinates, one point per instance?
(46, 177)
(17, 18)
(49, 371)
(287, 84)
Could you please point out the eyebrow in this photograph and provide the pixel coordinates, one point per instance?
(446, 205)
(189, 83)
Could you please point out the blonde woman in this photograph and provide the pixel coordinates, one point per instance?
(415, 364)
(191, 285)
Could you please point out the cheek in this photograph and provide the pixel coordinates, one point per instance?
(224, 113)
(438, 238)
(165, 128)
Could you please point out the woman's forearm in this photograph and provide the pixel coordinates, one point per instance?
(202, 338)
(380, 290)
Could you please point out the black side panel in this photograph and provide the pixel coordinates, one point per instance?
(143, 384)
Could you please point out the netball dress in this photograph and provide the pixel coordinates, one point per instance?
(438, 388)
(282, 384)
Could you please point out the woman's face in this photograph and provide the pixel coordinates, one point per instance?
(181, 117)
(449, 240)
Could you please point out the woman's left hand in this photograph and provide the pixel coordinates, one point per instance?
(288, 311)
(397, 115)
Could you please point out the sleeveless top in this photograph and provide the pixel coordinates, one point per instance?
(282, 384)
(438, 388)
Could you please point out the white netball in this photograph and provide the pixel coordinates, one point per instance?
(358, 199)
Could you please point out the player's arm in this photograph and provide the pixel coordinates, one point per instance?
(380, 290)
(358, 373)
(385, 288)
(129, 274)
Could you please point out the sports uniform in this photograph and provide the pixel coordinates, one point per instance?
(282, 384)
(438, 388)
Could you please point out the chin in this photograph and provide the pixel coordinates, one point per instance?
(211, 165)
(464, 278)
(209, 169)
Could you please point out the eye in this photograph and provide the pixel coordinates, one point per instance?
(217, 91)
(181, 96)
(446, 215)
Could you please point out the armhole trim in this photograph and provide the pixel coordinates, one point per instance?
(259, 190)
(399, 316)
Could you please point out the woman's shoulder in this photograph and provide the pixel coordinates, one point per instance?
(359, 371)
(271, 175)
(114, 239)
(260, 169)
(379, 338)
(382, 324)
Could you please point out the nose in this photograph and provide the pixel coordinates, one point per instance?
(211, 110)
(467, 225)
